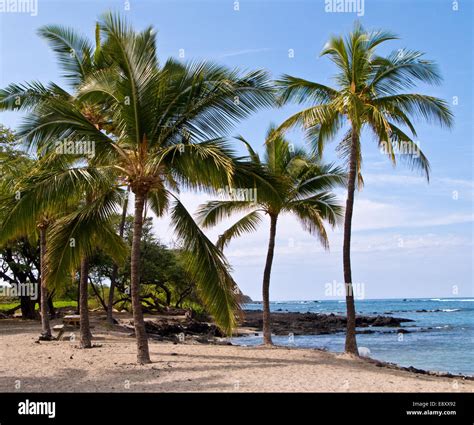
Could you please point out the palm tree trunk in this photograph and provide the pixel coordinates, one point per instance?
(113, 278)
(85, 330)
(143, 355)
(44, 310)
(267, 332)
(351, 342)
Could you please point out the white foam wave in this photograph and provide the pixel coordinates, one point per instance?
(452, 300)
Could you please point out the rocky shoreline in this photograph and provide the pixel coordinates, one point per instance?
(172, 328)
(318, 324)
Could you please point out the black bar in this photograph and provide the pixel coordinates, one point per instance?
(364, 408)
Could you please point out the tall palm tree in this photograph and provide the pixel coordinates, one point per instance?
(167, 120)
(369, 95)
(301, 187)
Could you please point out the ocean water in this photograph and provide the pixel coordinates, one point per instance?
(441, 338)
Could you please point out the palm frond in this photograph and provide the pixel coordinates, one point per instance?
(80, 233)
(298, 90)
(213, 212)
(248, 223)
(208, 267)
(74, 52)
(429, 108)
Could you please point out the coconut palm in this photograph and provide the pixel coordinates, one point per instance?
(14, 162)
(47, 199)
(78, 59)
(167, 121)
(370, 95)
(36, 222)
(90, 227)
(301, 187)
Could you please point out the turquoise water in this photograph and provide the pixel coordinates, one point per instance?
(441, 338)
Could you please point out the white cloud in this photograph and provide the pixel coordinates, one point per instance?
(375, 179)
(244, 52)
(391, 220)
(373, 215)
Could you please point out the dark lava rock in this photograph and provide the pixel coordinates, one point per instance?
(314, 323)
(190, 327)
(416, 370)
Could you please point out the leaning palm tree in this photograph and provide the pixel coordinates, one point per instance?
(21, 219)
(48, 197)
(78, 58)
(167, 121)
(369, 95)
(90, 226)
(302, 187)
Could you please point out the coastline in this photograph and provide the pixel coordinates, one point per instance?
(59, 366)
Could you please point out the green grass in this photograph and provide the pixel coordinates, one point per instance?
(7, 306)
(62, 304)
(57, 304)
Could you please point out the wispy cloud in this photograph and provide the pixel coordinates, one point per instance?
(245, 52)
(401, 179)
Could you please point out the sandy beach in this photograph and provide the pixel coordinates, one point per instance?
(60, 366)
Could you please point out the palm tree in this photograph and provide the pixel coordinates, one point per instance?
(90, 226)
(77, 59)
(301, 187)
(18, 221)
(369, 95)
(167, 120)
(49, 201)
(13, 163)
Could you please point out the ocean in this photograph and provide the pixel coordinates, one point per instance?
(441, 338)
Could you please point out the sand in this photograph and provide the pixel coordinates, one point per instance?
(60, 366)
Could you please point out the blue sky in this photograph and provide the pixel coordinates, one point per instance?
(410, 239)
